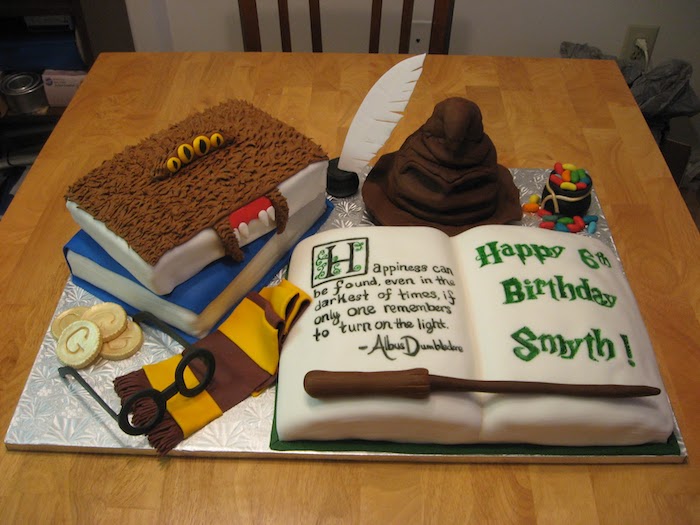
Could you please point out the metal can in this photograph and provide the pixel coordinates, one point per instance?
(23, 92)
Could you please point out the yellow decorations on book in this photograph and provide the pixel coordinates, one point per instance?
(201, 145)
(174, 164)
(186, 153)
(216, 140)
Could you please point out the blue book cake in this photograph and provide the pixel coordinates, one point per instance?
(196, 305)
(186, 222)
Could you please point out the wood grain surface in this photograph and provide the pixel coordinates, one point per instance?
(537, 111)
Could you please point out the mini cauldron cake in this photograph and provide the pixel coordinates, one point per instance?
(567, 191)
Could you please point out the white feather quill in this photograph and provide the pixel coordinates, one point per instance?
(379, 113)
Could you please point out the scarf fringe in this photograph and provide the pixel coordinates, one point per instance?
(127, 385)
(167, 434)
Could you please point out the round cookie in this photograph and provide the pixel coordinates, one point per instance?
(110, 317)
(127, 344)
(79, 344)
(65, 318)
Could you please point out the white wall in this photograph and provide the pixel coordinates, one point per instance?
(495, 27)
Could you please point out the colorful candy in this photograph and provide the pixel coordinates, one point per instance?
(563, 223)
(568, 186)
(532, 205)
(578, 177)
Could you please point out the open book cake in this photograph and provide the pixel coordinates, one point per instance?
(494, 304)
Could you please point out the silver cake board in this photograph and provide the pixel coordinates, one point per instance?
(58, 415)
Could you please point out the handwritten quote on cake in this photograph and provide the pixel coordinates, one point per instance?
(411, 307)
(352, 295)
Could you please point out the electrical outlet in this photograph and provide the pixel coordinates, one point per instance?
(420, 37)
(630, 51)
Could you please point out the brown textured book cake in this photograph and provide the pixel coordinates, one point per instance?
(197, 191)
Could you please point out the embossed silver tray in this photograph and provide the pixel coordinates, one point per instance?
(55, 414)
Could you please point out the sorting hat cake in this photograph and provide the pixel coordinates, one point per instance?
(445, 175)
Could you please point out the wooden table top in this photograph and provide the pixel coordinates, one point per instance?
(537, 111)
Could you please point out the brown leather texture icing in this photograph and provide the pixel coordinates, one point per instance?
(155, 211)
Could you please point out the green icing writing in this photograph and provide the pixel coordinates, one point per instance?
(594, 261)
(494, 253)
(597, 347)
(628, 350)
(516, 291)
(338, 259)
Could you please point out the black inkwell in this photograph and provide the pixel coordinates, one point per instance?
(341, 183)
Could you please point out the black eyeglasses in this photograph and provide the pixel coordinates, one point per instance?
(158, 397)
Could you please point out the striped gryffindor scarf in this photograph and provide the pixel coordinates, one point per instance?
(246, 348)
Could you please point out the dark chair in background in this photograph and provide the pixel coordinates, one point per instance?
(439, 33)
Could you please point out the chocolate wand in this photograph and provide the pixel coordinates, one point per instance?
(418, 383)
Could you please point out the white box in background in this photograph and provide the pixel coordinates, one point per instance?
(60, 86)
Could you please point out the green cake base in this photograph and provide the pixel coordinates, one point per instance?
(669, 452)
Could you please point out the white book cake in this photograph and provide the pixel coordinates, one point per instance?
(495, 303)
(196, 305)
(305, 195)
(199, 190)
